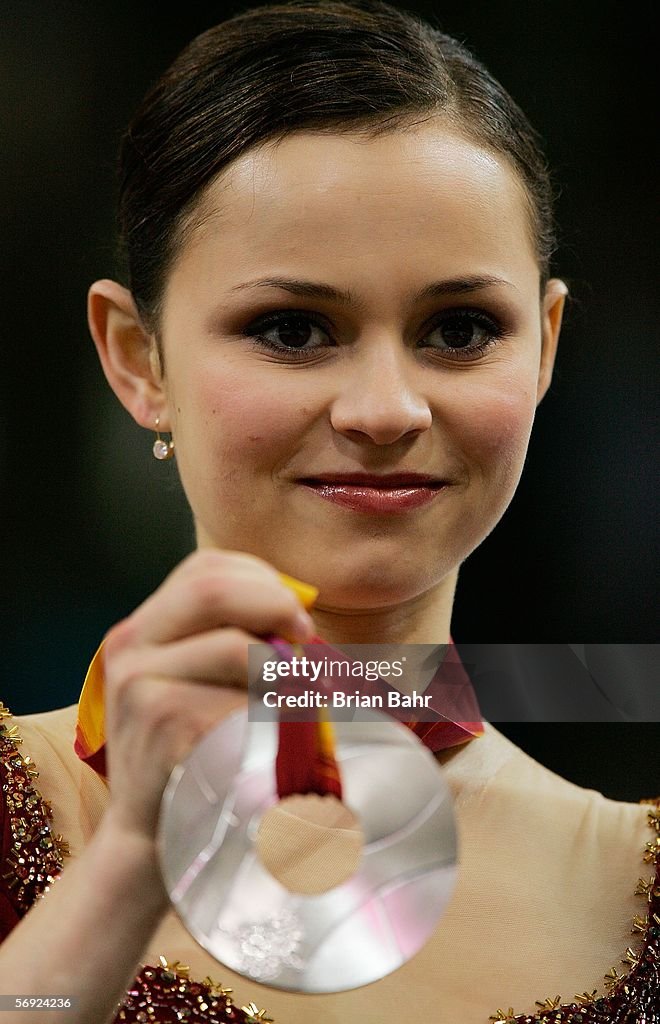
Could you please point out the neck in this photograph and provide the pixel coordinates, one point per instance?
(425, 619)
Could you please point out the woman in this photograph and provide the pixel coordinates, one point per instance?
(339, 307)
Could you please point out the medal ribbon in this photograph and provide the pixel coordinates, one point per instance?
(305, 760)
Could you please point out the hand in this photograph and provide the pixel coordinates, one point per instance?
(178, 665)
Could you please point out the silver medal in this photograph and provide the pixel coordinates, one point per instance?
(353, 934)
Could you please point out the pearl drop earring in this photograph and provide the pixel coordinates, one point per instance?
(162, 449)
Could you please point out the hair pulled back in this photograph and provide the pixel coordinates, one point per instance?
(323, 65)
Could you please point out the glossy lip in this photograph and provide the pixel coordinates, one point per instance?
(377, 494)
(382, 480)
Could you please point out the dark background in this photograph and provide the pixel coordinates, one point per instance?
(91, 523)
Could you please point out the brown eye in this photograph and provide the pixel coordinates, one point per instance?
(293, 332)
(459, 332)
(470, 332)
(287, 333)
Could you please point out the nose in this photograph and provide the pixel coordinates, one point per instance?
(380, 396)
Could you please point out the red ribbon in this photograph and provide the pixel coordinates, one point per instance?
(306, 761)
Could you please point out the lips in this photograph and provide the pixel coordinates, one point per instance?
(382, 481)
(377, 493)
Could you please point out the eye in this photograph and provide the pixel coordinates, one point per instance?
(464, 333)
(460, 334)
(295, 330)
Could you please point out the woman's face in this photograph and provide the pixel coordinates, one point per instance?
(380, 382)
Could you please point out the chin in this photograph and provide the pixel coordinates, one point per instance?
(368, 587)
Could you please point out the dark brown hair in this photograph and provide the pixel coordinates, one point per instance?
(324, 65)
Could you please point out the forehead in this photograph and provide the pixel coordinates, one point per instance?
(404, 199)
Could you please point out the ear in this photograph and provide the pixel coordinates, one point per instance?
(128, 353)
(552, 312)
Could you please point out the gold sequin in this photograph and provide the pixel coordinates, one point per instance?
(255, 1016)
(37, 854)
(549, 1004)
(612, 978)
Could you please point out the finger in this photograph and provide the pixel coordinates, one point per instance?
(215, 595)
(151, 713)
(167, 718)
(218, 656)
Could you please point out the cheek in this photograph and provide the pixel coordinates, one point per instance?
(495, 435)
(245, 423)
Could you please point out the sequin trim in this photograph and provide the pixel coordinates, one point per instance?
(36, 856)
(162, 994)
(634, 996)
(166, 994)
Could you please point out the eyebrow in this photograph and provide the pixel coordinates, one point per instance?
(317, 290)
